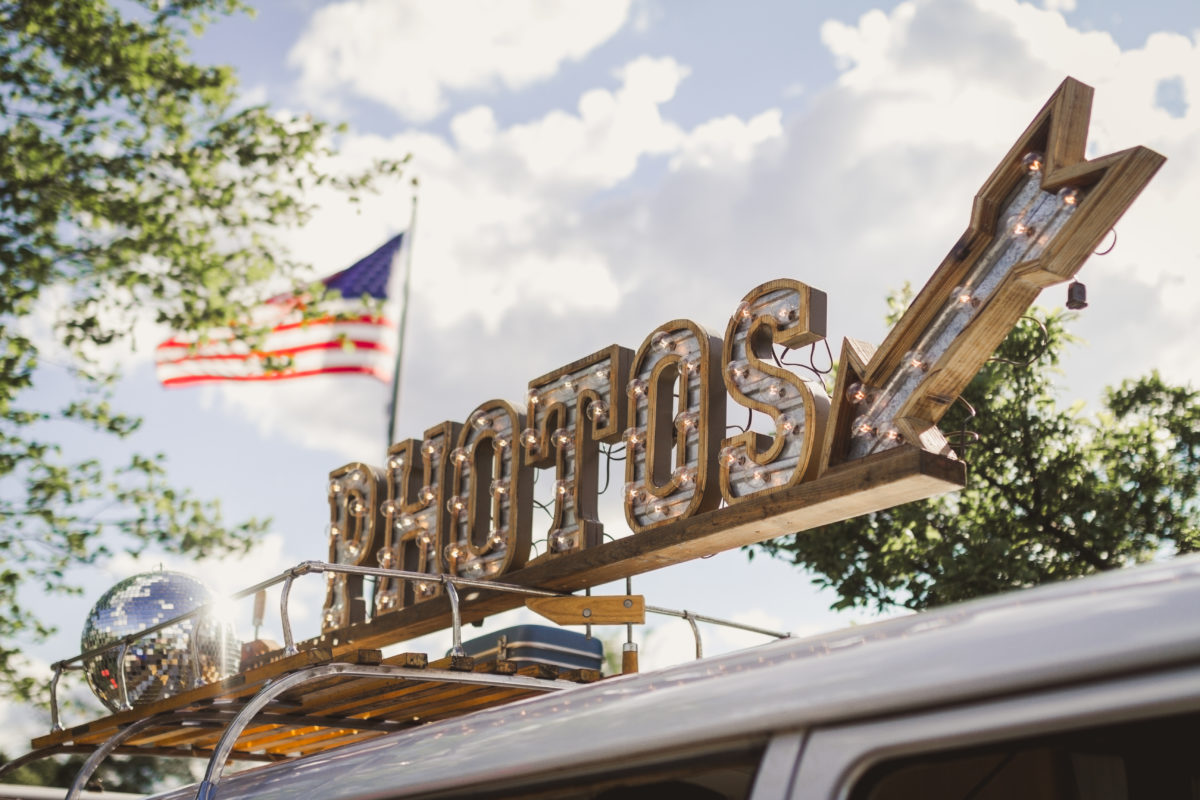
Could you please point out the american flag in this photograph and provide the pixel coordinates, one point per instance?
(353, 337)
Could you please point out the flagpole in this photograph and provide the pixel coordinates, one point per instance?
(410, 239)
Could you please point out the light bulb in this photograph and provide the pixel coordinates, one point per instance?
(863, 426)
(473, 568)
(738, 370)
(355, 476)
(964, 299)
(602, 374)
(914, 360)
(662, 342)
(689, 366)
(453, 552)
(732, 457)
(776, 390)
(787, 313)
(637, 387)
(456, 504)
(562, 438)
(501, 441)
(597, 412)
(634, 437)
(496, 540)
(758, 478)
(786, 424)
(334, 531)
(743, 311)
(384, 557)
(430, 447)
(396, 462)
(385, 601)
(634, 493)
(388, 507)
(659, 509)
(424, 538)
(530, 438)
(426, 495)
(892, 435)
(562, 488)
(499, 488)
(686, 420)
(1019, 227)
(1068, 196)
(335, 487)
(569, 384)
(857, 393)
(459, 455)
(534, 396)
(482, 422)
(687, 476)
(358, 508)
(559, 540)
(1033, 163)
(406, 522)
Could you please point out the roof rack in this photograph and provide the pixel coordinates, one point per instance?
(301, 702)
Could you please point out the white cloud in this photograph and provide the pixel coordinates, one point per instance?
(409, 56)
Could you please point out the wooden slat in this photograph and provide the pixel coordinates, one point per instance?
(591, 610)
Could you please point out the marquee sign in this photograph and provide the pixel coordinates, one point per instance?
(459, 500)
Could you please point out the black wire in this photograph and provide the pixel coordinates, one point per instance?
(988, 778)
(749, 419)
(1032, 359)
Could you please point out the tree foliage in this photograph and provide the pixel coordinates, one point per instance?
(1051, 492)
(132, 183)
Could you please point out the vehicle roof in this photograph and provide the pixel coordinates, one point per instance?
(1116, 623)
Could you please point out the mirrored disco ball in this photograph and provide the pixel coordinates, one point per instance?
(162, 663)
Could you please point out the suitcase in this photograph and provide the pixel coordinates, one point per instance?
(538, 644)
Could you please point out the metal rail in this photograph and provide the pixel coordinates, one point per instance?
(216, 764)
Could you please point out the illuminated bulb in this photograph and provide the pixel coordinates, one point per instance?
(634, 493)
(534, 397)
(1033, 163)
(389, 507)
(637, 387)
(758, 478)
(355, 476)
(569, 385)
(731, 457)
(602, 374)
(334, 531)
(473, 568)
(562, 488)
(743, 310)
(502, 441)
(385, 601)
(482, 422)
(634, 437)
(663, 342)
(1068, 196)
(915, 360)
(459, 455)
(335, 487)
(786, 424)
(964, 299)
(496, 540)
(659, 509)
(426, 495)
(453, 552)
(529, 438)
(776, 390)
(686, 476)
(738, 370)
(353, 549)
(689, 366)
(406, 522)
(686, 420)
(597, 412)
(384, 557)
(787, 313)
(424, 538)
(430, 447)
(358, 508)
(562, 438)
(396, 462)
(1019, 226)
(863, 426)
(456, 504)
(857, 393)
(891, 435)
(560, 541)
(330, 619)
(422, 587)
(499, 488)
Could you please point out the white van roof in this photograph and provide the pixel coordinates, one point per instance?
(1123, 621)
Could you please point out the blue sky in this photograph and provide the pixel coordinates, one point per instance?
(591, 170)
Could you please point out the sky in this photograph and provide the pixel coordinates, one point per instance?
(590, 170)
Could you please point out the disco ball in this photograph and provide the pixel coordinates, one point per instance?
(159, 664)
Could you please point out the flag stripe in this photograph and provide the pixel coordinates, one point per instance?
(349, 344)
(188, 380)
(375, 362)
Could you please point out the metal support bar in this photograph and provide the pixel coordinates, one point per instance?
(212, 775)
(455, 619)
(55, 723)
(696, 633)
(122, 688)
(716, 621)
(102, 752)
(194, 652)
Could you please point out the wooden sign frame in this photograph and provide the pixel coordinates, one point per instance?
(873, 445)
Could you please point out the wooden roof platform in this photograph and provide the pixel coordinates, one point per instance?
(329, 711)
